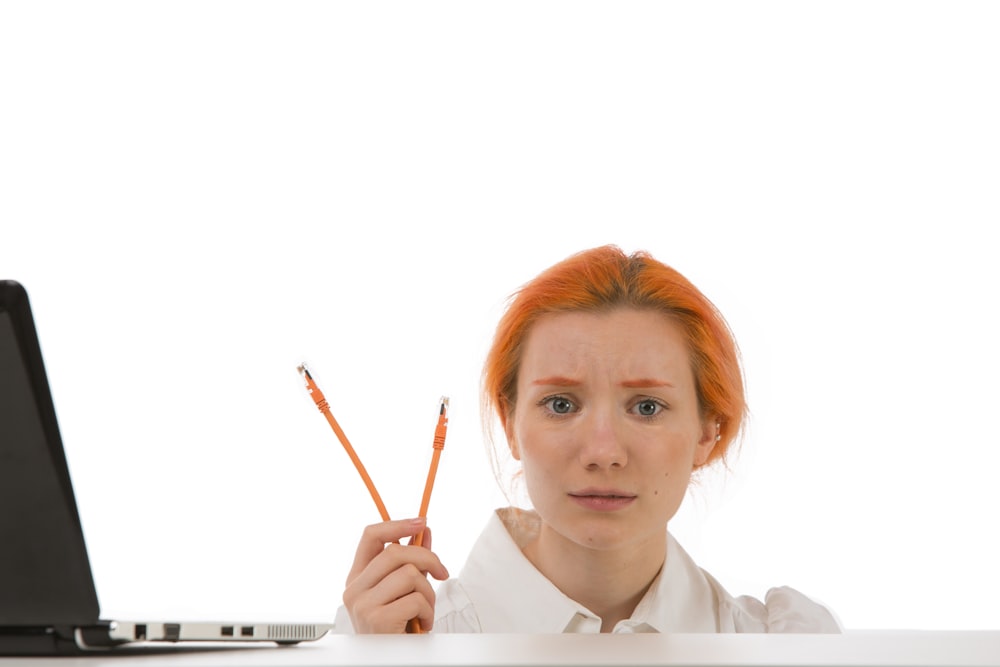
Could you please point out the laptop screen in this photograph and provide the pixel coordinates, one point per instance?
(45, 576)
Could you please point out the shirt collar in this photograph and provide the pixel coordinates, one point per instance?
(508, 593)
(511, 595)
(680, 599)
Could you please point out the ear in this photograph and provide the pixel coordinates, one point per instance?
(508, 430)
(710, 436)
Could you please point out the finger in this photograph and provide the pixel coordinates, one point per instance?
(393, 557)
(394, 617)
(437, 569)
(402, 582)
(376, 536)
(403, 594)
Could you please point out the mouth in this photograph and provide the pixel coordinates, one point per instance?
(601, 493)
(603, 500)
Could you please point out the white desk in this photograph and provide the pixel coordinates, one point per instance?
(869, 649)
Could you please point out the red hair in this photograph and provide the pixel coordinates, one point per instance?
(603, 279)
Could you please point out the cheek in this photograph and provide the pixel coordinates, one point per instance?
(530, 440)
(533, 459)
(542, 464)
(674, 468)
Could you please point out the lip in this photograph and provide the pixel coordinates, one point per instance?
(603, 500)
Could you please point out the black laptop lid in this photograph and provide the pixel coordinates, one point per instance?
(45, 576)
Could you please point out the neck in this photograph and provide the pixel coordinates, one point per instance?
(609, 583)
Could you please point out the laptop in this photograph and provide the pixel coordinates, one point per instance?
(48, 600)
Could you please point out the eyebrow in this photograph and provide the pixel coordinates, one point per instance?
(641, 383)
(638, 383)
(556, 381)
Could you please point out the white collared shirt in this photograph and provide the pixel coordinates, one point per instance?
(499, 590)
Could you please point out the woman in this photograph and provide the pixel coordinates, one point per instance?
(614, 379)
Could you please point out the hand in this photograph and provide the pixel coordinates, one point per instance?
(387, 585)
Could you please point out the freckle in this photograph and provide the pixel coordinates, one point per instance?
(656, 492)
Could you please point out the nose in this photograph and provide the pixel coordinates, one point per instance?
(601, 443)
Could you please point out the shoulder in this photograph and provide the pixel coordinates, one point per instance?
(783, 610)
(689, 599)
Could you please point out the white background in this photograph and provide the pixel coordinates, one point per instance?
(201, 195)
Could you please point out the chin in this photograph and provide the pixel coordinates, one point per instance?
(609, 535)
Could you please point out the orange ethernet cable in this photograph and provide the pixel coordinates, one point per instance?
(440, 432)
(324, 407)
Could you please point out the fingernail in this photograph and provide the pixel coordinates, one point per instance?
(417, 522)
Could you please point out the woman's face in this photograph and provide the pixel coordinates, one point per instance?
(607, 425)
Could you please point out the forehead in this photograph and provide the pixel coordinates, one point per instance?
(623, 342)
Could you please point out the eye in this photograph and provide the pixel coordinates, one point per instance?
(648, 407)
(560, 405)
